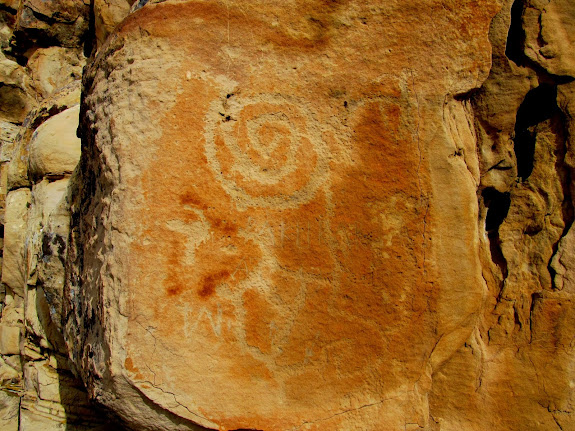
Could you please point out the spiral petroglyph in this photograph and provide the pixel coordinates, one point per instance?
(265, 151)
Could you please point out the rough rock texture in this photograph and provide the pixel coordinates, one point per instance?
(14, 255)
(15, 101)
(54, 147)
(107, 15)
(298, 215)
(516, 372)
(305, 261)
(49, 23)
(53, 68)
(40, 69)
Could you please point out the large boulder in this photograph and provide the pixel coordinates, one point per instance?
(54, 147)
(275, 224)
(56, 151)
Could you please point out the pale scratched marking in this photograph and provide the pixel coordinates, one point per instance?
(297, 235)
(195, 232)
(277, 119)
(283, 234)
(192, 320)
(290, 121)
(267, 231)
(242, 266)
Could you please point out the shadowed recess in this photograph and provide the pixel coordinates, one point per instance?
(540, 104)
(497, 204)
(516, 35)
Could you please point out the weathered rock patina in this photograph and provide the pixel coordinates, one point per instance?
(268, 235)
(309, 215)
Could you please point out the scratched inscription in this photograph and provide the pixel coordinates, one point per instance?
(266, 151)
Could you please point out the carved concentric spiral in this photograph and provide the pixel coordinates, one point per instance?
(265, 150)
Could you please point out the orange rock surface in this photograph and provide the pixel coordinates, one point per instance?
(280, 232)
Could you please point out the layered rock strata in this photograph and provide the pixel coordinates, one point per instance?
(40, 85)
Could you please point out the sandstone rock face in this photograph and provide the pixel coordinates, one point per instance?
(13, 266)
(54, 146)
(15, 102)
(549, 36)
(41, 63)
(107, 15)
(62, 22)
(299, 215)
(269, 237)
(9, 340)
(53, 68)
(516, 372)
(9, 409)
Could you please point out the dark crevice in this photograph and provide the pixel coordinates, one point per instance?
(497, 255)
(515, 37)
(90, 44)
(497, 205)
(139, 4)
(9, 9)
(515, 46)
(540, 104)
(468, 95)
(19, 412)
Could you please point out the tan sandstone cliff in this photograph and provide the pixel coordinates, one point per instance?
(297, 215)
